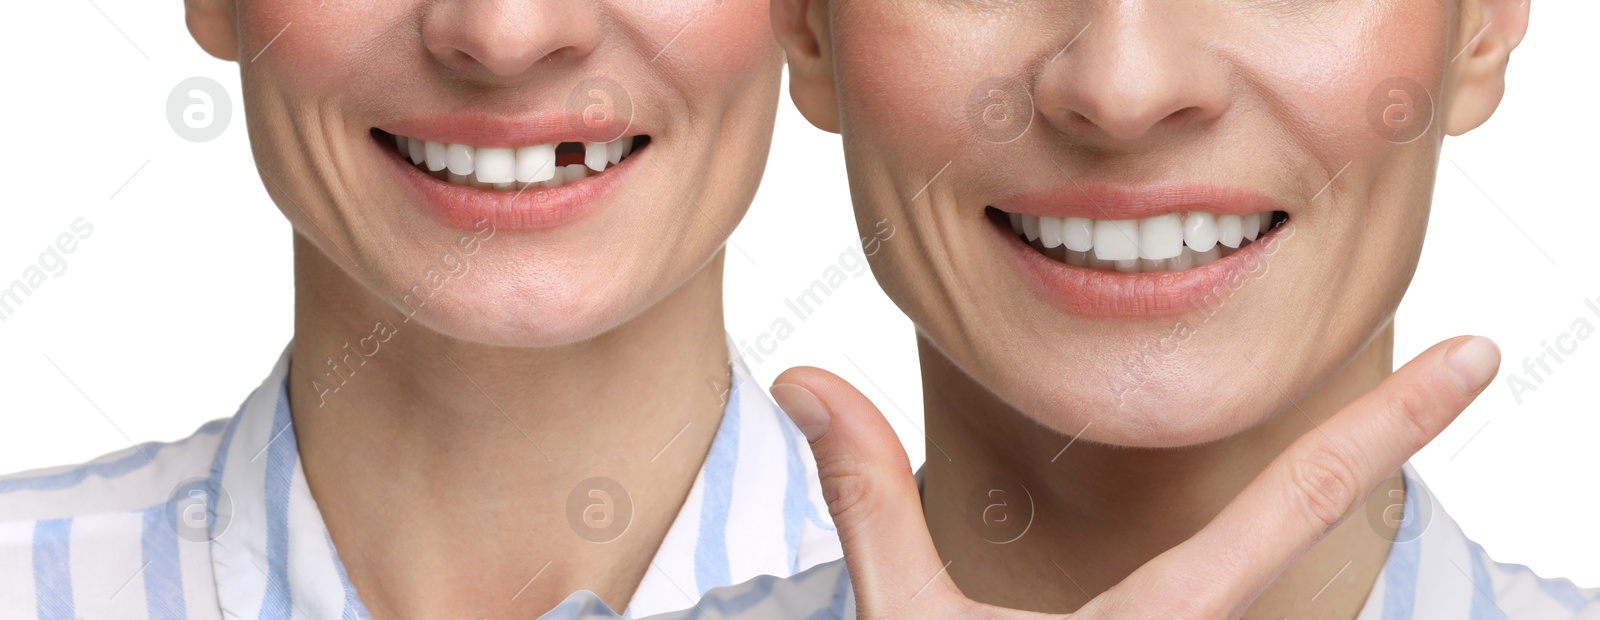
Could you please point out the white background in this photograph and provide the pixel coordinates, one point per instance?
(180, 301)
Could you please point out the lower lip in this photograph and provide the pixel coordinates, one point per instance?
(1102, 293)
(533, 209)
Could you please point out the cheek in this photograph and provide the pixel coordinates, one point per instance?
(1369, 95)
(1361, 97)
(712, 44)
(903, 80)
(316, 44)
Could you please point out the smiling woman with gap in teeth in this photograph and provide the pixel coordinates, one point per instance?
(509, 379)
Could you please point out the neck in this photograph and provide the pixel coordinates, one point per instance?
(1100, 512)
(443, 468)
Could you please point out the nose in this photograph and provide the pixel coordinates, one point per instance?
(1138, 70)
(502, 39)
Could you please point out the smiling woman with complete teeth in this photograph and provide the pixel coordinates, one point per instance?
(1153, 252)
(509, 379)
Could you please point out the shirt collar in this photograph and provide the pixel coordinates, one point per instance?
(1431, 565)
(272, 556)
(755, 508)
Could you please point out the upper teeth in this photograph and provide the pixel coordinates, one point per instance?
(504, 166)
(1152, 238)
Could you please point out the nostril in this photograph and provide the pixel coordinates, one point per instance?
(457, 60)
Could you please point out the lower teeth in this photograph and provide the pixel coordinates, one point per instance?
(564, 174)
(1187, 260)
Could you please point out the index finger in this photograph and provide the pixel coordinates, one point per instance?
(1309, 489)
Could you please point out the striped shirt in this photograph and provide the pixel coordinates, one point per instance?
(223, 524)
(1432, 572)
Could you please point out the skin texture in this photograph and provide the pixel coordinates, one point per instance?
(1271, 97)
(443, 464)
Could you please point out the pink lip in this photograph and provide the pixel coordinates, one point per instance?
(1101, 293)
(507, 132)
(532, 209)
(1121, 203)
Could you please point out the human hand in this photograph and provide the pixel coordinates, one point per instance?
(1302, 495)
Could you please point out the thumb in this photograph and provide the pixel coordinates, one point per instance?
(867, 481)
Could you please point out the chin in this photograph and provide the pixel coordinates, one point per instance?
(1152, 419)
(543, 312)
(1185, 401)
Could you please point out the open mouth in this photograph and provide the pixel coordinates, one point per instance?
(512, 168)
(1168, 242)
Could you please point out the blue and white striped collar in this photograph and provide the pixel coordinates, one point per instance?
(1434, 571)
(755, 508)
(271, 521)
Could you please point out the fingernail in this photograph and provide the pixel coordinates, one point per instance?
(1472, 363)
(803, 408)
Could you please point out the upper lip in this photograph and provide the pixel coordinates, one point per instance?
(1113, 202)
(485, 130)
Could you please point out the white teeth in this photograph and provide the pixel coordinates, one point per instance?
(1229, 230)
(1169, 242)
(594, 156)
(1160, 237)
(1184, 260)
(536, 163)
(415, 149)
(1116, 239)
(619, 148)
(558, 176)
(438, 156)
(505, 167)
(1050, 231)
(1200, 231)
(460, 158)
(1077, 233)
(496, 165)
(597, 155)
(1030, 227)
